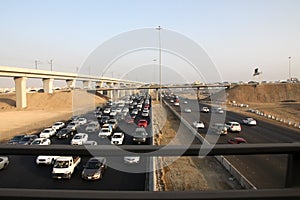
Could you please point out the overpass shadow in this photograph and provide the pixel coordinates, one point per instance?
(95, 92)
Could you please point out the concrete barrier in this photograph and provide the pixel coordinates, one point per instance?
(221, 159)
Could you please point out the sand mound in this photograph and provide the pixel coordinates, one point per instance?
(264, 93)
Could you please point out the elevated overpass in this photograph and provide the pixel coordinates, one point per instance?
(20, 75)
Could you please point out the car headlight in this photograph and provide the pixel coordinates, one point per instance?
(96, 175)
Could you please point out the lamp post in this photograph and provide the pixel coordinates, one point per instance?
(290, 68)
(160, 68)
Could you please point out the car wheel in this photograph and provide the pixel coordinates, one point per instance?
(5, 166)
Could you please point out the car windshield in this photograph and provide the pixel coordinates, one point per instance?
(93, 165)
(61, 164)
(117, 136)
(77, 137)
(36, 142)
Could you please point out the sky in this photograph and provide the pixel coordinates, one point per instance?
(236, 35)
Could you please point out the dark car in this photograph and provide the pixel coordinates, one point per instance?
(94, 168)
(237, 140)
(65, 133)
(26, 140)
(140, 135)
(104, 119)
(16, 139)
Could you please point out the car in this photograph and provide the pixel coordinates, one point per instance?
(79, 139)
(113, 123)
(105, 131)
(171, 100)
(129, 119)
(143, 123)
(65, 133)
(185, 102)
(73, 125)
(94, 168)
(198, 124)
(47, 132)
(113, 113)
(132, 159)
(47, 160)
(58, 125)
(117, 138)
(140, 135)
(3, 162)
(219, 110)
(90, 142)
(233, 126)
(134, 111)
(26, 140)
(187, 110)
(104, 119)
(145, 113)
(82, 121)
(205, 109)
(41, 141)
(237, 140)
(16, 139)
(219, 128)
(106, 110)
(92, 126)
(249, 121)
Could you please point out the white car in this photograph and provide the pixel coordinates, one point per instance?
(73, 125)
(198, 124)
(145, 113)
(113, 112)
(187, 110)
(79, 138)
(105, 131)
(205, 109)
(134, 112)
(249, 121)
(132, 159)
(113, 123)
(92, 126)
(82, 121)
(58, 125)
(233, 126)
(185, 102)
(3, 162)
(47, 133)
(176, 103)
(47, 160)
(220, 110)
(117, 138)
(106, 111)
(41, 141)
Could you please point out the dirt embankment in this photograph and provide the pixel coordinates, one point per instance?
(264, 93)
(184, 173)
(42, 110)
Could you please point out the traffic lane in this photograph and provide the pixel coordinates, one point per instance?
(265, 171)
(22, 172)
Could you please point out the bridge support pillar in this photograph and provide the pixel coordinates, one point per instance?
(48, 85)
(110, 92)
(156, 94)
(71, 83)
(293, 173)
(20, 86)
(86, 84)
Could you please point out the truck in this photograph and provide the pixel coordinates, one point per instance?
(64, 167)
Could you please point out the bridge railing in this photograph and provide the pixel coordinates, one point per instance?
(291, 191)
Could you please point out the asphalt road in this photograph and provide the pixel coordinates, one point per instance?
(23, 172)
(264, 171)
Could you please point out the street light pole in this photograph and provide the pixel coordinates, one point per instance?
(160, 68)
(290, 68)
(51, 62)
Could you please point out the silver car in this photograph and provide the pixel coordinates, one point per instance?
(3, 162)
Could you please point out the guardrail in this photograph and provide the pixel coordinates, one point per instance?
(293, 149)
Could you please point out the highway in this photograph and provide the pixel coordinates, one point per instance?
(264, 171)
(23, 172)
